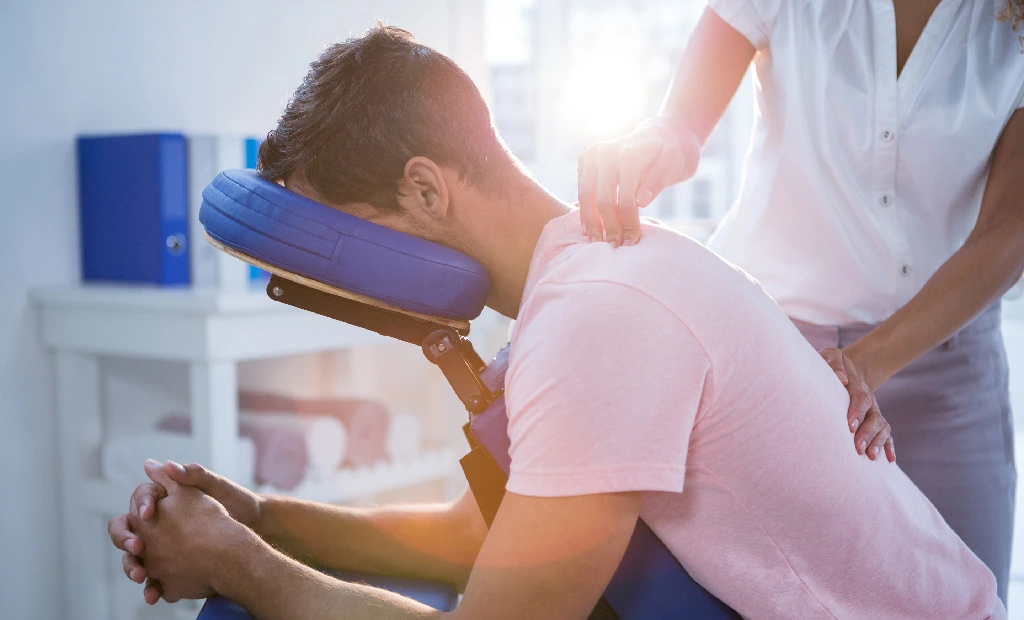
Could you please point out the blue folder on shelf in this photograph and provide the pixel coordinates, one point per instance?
(133, 206)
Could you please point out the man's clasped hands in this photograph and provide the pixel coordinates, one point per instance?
(203, 519)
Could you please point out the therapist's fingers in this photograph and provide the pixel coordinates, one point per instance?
(834, 357)
(872, 435)
(861, 398)
(877, 446)
(607, 192)
(869, 430)
(861, 402)
(634, 159)
(586, 172)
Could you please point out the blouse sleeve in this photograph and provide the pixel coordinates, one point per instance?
(753, 19)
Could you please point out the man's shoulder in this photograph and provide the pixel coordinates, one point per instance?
(664, 266)
(564, 255)
(568, 296)
(604, 304)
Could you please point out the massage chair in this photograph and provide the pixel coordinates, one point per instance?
(339, 266)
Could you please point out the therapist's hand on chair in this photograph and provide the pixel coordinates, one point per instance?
(621, 176)
(871, 433)
(242, 504)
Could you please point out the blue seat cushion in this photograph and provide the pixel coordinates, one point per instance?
(440, 596)
(263, 220)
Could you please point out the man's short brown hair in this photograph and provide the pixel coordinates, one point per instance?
(370, 104)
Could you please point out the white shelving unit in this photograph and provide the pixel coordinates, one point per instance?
(211, 332)
(354, 483)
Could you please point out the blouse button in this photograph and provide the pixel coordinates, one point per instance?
(885, 200)
(887, 135)
(905, 270)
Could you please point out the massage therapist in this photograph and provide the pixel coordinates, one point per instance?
(882, 207)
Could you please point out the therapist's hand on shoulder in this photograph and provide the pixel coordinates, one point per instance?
(241, 504)
(621, 176)
(871, 433)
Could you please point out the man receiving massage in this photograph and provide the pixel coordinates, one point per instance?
(652, 381)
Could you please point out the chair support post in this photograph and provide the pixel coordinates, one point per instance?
(442, 344)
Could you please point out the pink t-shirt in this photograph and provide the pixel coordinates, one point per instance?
(662, 368)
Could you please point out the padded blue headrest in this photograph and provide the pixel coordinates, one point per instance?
(266, 221)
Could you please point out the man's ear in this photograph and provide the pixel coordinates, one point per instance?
(424, 189)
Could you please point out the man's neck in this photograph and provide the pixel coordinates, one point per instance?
(506, 248)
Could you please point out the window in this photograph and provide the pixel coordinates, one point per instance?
(701, 208)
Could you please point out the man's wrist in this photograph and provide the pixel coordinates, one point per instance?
(261, 511)
(268, 515)
(232, 570)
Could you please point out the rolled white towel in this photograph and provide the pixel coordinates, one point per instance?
(122, 456)
(365, 421)
(325, 437)
(404, 437)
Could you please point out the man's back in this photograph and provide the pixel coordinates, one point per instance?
(661, 368)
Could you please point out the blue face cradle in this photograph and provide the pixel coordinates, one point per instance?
(260, 219)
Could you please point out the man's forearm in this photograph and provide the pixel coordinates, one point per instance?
(971, 280)
(272, 586)
(437, 542)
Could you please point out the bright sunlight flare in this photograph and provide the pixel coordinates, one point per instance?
(606, 89)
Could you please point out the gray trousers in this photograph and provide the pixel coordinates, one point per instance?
(953, 431)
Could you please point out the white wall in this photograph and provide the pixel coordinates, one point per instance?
(115, 66)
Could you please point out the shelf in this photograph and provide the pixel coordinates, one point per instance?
(110, 497)
(354, 483)
(211, 332)
(184, 324)
(155, 298)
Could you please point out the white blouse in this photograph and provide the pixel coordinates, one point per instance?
(858, 186)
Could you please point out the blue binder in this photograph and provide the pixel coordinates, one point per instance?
(133, 207)
(252, 152)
